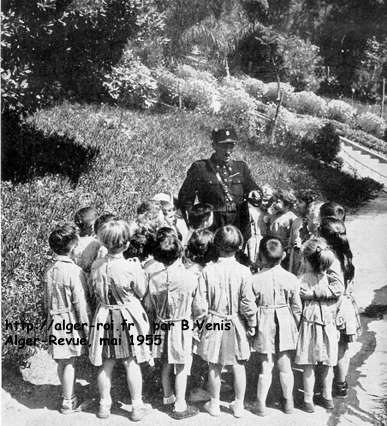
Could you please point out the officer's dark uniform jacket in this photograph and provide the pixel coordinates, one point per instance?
(201, 181)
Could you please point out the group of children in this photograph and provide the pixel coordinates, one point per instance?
(158, 288)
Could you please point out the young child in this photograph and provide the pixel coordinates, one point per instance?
(282, 217)
(348, 320)
(301, 229)
(200, 216)
(141, 245)
(318, 336)
(119, 284)
(267, 197)
(225, 296)
(84, 253)
(257, 228)
(279, 310)
(150, 216)
(65, 302)
(171, 289)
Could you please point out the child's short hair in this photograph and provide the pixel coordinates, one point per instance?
(228, 239)
(307, 195)
(85, 218)
(104, 218)
(286, 196)
(317, 252)
(167, 247)
(199, 214)
(166, 205)
(271, 249)
(114, 235)
(141, 245)
(62, 238)
(200, 247)
(332, 209)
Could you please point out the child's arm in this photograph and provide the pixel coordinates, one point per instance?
(295, 302)
(140, 282)
(323, 291)
(247, 305)
(78, 286)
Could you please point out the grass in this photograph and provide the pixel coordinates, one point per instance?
(114, 159)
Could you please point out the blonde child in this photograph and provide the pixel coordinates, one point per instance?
(88, 245)
(171, 289)
(318, 337)
(279, 310)
(65, 303)
(225, 296)
(348, 320)
(120, 322)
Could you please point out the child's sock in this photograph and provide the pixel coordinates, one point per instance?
(264, 382)
(136, 403)
(287, 383)
(106, 402)
(308, 397)
(215, 402)
(181, 406)
(169, 399)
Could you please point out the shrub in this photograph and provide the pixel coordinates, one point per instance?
(170, 86)
(372, 123)
(254, 87)
(270, 95)
(239, 109)
(307, 103)
(131, 84)
(324, 144)
(233, 83)
(340, 111)
(187, 72)
(200, 95)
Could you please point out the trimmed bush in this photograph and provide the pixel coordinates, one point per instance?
(170, 86)
(323, 144)
(233, 83)
(131, 83)
(307, 103)
(270, 95)
(200, 95)
(254, 87)
(340, 111)
(372, 123)
(187, 72)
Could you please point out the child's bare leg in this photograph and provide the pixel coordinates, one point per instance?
(327, 379)
(343, 362)
(180, 387)
(134, 379)
(264, 379)
(239, 381)
(308, 379)
(104, 380)
(214, 381)
(166, 380)
(66, 373)
(286, 374)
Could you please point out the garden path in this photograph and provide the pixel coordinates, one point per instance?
(32, 400)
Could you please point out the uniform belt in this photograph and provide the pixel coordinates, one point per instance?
(60, 311)
(223, 316)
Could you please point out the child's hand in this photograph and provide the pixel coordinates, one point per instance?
(251, 331)
(306, 293)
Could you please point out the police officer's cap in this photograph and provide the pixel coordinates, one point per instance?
(226, 135)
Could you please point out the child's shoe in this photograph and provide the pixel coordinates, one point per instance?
(308, 407)
(238, 409)
(103, 411)
(190, 411)
(69, 406)
(288, 406)
(139, 412)
(212, 408)
(341, 389)
(325, 403)
(259, 409)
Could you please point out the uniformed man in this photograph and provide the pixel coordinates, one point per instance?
(220, 181)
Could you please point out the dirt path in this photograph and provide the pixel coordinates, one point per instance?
(32, 399)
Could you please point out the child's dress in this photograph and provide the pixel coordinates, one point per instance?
(225, 295)
(119, 284)
(318, 335)
(171, 291)
(279, 310)
(348, 318)
(256, 231)
(86, 252)
(65, 302)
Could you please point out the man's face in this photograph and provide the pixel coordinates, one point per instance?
(223, 151)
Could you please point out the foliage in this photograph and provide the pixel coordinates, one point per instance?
(340, 111)
(131, 84)
(371, 70)
(169, 85)
(270, 94)
(372, 123)
(200, 95)
(300, 60)
(325, 145)
(188, 72)
(307, 103)
(254, 87)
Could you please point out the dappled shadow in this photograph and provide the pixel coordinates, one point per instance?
(28, 153)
